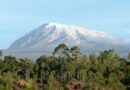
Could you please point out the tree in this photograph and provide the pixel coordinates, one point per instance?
(70, 67)
(114, 82)
(61, 50)
(25, 68)
(75, 51)
(43, 69)
(76, 54)
(66, 68)
(11, 63)
(1, 54)
(84, 67)
(53, 83)
(129, 56)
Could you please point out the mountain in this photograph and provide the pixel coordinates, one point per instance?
(45, 38)
(53, 34)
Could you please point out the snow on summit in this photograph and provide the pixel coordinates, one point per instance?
(45, 38)
(53, 34)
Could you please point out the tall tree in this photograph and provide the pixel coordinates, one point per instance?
(129, 56)
(61, 50)
(43, 68)
(53, 83)
(1, 54)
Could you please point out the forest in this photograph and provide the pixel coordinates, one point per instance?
(66, 69)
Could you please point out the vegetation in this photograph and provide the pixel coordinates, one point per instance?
(66, 69)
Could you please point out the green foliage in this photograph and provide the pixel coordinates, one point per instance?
(106, 71)
(0, 54)
(52, 82)
(129, 56)
(61, 50)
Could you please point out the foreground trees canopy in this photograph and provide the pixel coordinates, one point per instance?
(66, 69)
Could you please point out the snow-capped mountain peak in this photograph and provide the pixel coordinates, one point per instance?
(53, 34)
(45, 38)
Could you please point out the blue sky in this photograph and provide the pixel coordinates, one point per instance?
(18, 17)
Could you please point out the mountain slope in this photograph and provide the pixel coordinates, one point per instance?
(52, 34)
(43, 40)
